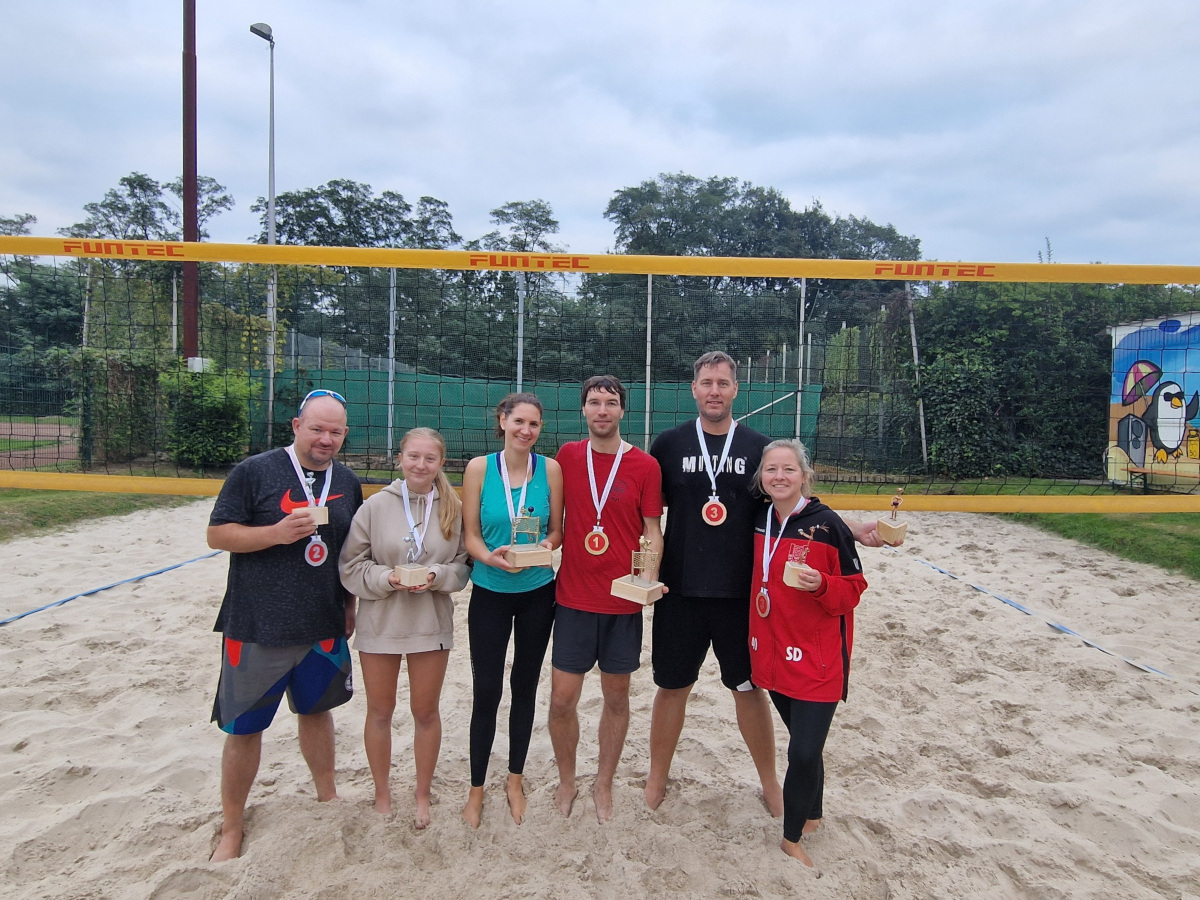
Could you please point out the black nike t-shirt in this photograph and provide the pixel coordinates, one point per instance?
(702, 560)
(273, 596)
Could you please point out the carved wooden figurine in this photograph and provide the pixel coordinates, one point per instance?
(892, 532)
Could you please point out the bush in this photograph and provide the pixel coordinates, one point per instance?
(210, 423)
(119, 405)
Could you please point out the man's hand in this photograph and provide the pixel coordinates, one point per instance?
(351, 615)
(298, 524)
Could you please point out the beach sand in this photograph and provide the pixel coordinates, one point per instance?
(981, 753)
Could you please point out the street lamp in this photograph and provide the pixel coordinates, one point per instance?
(263, 30)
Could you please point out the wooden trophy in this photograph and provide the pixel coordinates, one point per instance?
(635, 586)
(412, 573)
(892, 532)
(320, 514)
(530, 553)
(796, 561)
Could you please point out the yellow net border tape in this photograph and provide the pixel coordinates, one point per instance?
(744, 267)
(1091, 503)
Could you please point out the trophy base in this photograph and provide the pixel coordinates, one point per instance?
(320, 514)
(790, 572)
(529, 556)
(412, 574)
(639, 591)
(891, 533)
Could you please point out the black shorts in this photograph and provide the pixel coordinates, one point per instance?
(684, 627)
(583, 639)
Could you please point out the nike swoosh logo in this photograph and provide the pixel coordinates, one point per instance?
(288, 505)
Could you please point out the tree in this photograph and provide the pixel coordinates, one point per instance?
(18, 224)
(134, 210)
(527, 227)
(212, 199)
(341, 213)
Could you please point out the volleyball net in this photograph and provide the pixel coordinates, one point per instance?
(976, 386)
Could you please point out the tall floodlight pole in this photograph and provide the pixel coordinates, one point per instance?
(263, 30)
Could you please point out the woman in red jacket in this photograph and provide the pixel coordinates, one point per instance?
(800, 637)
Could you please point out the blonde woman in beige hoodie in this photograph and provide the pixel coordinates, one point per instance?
(421, 513)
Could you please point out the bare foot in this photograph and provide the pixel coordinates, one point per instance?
(383, 804)
(421, 819)
(795, 851)
(602, 798)
(473, 811)
(655, 793)
(773, 799)
(516, 797)
(810, 826)
(564, 797)
(229, 847)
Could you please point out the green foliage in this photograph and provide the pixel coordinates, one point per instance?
(1021, 372)
(210, 424)
(961, 394)
(121, 407)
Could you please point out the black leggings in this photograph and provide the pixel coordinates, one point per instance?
(804, 785)
(491, 618)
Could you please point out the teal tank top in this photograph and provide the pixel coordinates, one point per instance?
(497, 528)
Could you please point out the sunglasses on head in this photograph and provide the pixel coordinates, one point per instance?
(321, 392)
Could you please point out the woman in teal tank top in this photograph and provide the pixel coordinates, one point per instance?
(506, 601)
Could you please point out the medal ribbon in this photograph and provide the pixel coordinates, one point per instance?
(418, 537)
(768, 551)
(599, 501)
(512, 514)
(708, 466)
(291, 452)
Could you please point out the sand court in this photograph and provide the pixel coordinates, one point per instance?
(981, 753)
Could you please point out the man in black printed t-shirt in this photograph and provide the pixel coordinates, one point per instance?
(708, 466)
(285, 617)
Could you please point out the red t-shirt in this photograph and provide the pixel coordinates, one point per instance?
(584, 580)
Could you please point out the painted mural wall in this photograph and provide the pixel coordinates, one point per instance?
(1154, 407)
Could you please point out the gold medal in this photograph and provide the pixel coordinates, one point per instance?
(762, 603)
(596, 542)
(714, 511)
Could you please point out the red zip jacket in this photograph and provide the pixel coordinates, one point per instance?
(802, 647)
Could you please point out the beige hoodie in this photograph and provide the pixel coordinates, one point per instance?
(391, 621)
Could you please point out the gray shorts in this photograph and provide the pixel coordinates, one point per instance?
(583, 639)
(254, 678)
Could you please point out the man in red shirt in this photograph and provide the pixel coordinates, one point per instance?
(613, 496)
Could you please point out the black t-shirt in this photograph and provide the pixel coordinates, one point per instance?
(702, 560)
(273, 596)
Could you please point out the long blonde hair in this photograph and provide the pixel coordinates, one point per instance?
(451, 506)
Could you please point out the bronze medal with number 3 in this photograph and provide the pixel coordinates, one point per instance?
(714, 512)
(762, 603)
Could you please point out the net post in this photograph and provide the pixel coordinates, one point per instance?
(800, 358)
(649, 356)
(912, 329)
(391, 391)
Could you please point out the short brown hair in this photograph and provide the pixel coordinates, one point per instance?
(714, 358)
(511, 402)
(608, 383)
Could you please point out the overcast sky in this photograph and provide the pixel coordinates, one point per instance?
(980, 127)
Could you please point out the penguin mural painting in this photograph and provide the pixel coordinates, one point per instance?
(1154, 404)
(1167, 419)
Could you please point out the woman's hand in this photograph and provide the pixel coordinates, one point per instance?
(809, 579)
(496, 559)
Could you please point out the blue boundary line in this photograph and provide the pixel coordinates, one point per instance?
(106, 587)
(1055, 625)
